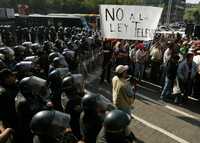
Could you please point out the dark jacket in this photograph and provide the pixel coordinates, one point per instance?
(171, 69)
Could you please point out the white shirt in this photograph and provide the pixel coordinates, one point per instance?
(167, 55)
(196, 59)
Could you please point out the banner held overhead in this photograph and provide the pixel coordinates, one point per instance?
(129, 22)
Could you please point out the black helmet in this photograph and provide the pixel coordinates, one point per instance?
(60, 62)
(52, 56)
(73, 83)
(8, 53)
(36, 47)
(19, 50)
(69, 55)
(59, 73)
(34, 86)
(27, 44)
(56, 76)
(2, 57)
(90, 102)
(68, 84)
(33, 59)
(116, 121)
(49, 123)
(24, 66)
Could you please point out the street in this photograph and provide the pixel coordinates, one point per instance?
(154, 120)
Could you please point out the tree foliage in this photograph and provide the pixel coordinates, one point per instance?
(67, 6)
(192, 15)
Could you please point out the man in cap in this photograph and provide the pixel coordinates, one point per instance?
(187, 71)
(123, 95)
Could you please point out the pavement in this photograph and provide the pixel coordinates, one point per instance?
(156, 121)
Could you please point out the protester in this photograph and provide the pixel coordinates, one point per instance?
(171, 72)
(187, 71)
(156, 58)
(140, 60)
(123, 94)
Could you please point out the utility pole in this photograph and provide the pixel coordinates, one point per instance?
(169, 12)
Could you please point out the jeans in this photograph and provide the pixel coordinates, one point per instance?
(139, 71)
(155, 71)
(106, 71)
(168, 87)
(186, 88)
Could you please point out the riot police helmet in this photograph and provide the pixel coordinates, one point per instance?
(2, 57)
(56, 76)
(27, 44)
(24, 66)
(60, 62)
(91, 102)
(116, 121)
(8, 53)
(52, 56)
(19, 50)
(49, 123)
(68, 84)
(73, 83)
(34, 86)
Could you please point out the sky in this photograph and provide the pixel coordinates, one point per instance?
(192, 1)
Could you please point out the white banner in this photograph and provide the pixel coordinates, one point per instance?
(129, 22)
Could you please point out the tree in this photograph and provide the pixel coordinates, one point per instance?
(192, 15)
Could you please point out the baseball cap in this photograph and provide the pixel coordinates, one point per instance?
(121, 68)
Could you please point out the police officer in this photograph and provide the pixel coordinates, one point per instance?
(116, 128)
(19, 52)
(41, 34)
(60, 33)
(59, 45)
(55, 83)
(24, 69)
(52, 34)
(18, 34)
(51, 127)
(71, 59)
(32, 98)
(73, 90)
(2, 64)
(107, 55)
(94, 109)
(33, 34)
(8, 92)
(9, 56)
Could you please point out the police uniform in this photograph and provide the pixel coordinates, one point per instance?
(115, 128)
(106, 66)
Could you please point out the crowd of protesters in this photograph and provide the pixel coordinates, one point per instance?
(171, 61)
